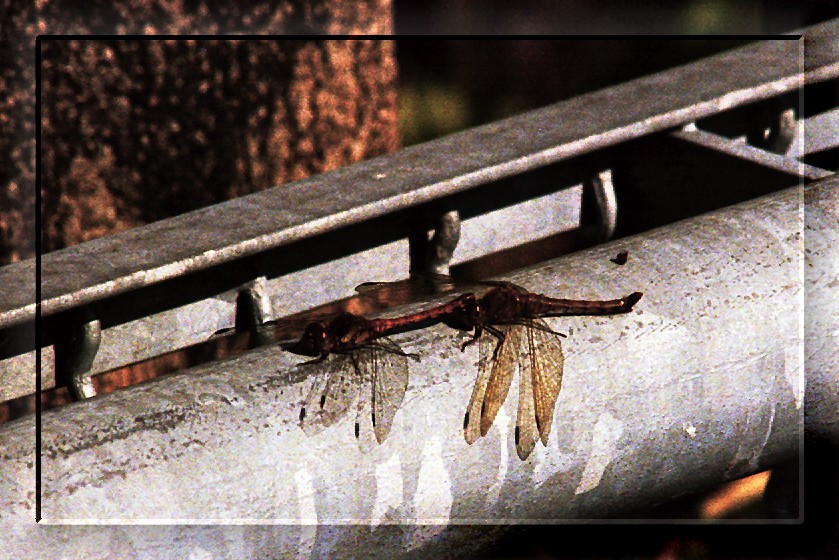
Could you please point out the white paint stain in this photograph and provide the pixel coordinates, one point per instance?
(689, 429)
(502, 424)
(308, 516)
(433, 499)
(551, 460)
(199, 553)
(388, 489)
(607, 431)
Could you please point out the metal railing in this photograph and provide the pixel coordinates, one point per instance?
(703, 383)
(170, 284)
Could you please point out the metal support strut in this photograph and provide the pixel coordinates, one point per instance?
(431, 253)
(253, 309)
(74, 355)
(600, 206)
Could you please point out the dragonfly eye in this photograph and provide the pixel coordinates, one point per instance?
(475, 314)
(314, 341)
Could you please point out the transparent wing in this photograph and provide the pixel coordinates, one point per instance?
(332, 394)
(503, 368)
(388, 370)
(527, 432)
(472, 419)
(545, 365)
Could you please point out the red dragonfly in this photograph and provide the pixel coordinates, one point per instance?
(382, 366)
(507, 311)
(521, 338)
(364, 356)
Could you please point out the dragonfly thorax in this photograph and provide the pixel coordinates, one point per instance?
(348, 331)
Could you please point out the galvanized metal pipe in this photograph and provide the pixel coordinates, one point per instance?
(704, 381)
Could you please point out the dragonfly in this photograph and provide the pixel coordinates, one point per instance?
(519, 339)
(383, 367)
(358, 352)
(522, 340)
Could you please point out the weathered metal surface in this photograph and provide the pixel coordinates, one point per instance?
(184, 321)
(432, 249)
(704, 381)
(821, 310)
(422, 173)
(187, 323)
(688, 172)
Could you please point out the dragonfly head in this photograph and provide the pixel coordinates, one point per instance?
(314, 342)
(467, 315)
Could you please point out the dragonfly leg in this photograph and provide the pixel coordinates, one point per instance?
(317, 360)
(540, 327)
(473, 339)
(412, 355)
(394, 349)
(500, 336)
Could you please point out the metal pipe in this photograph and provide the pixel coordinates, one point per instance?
(702, 382)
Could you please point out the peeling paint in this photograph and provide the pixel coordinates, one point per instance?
(389, 489)
(305, 494)
(502, 424)
(433, 498)
(606, 433)
(689, 429)
(199, 553)
(308, 515)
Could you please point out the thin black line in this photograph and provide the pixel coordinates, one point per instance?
(37, 279)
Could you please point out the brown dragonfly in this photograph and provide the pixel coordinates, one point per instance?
(383, 367)
(521, 338)
(358, 353)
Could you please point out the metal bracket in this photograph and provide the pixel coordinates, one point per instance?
(253, 309)
(75, 352)
(778, 136)
(430, 252)
(600, 206)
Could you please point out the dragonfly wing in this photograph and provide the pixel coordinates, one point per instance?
(331, 396)
(546, 364)
(390, 381)
(472, 420)
(526, 431)
(503, 368)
